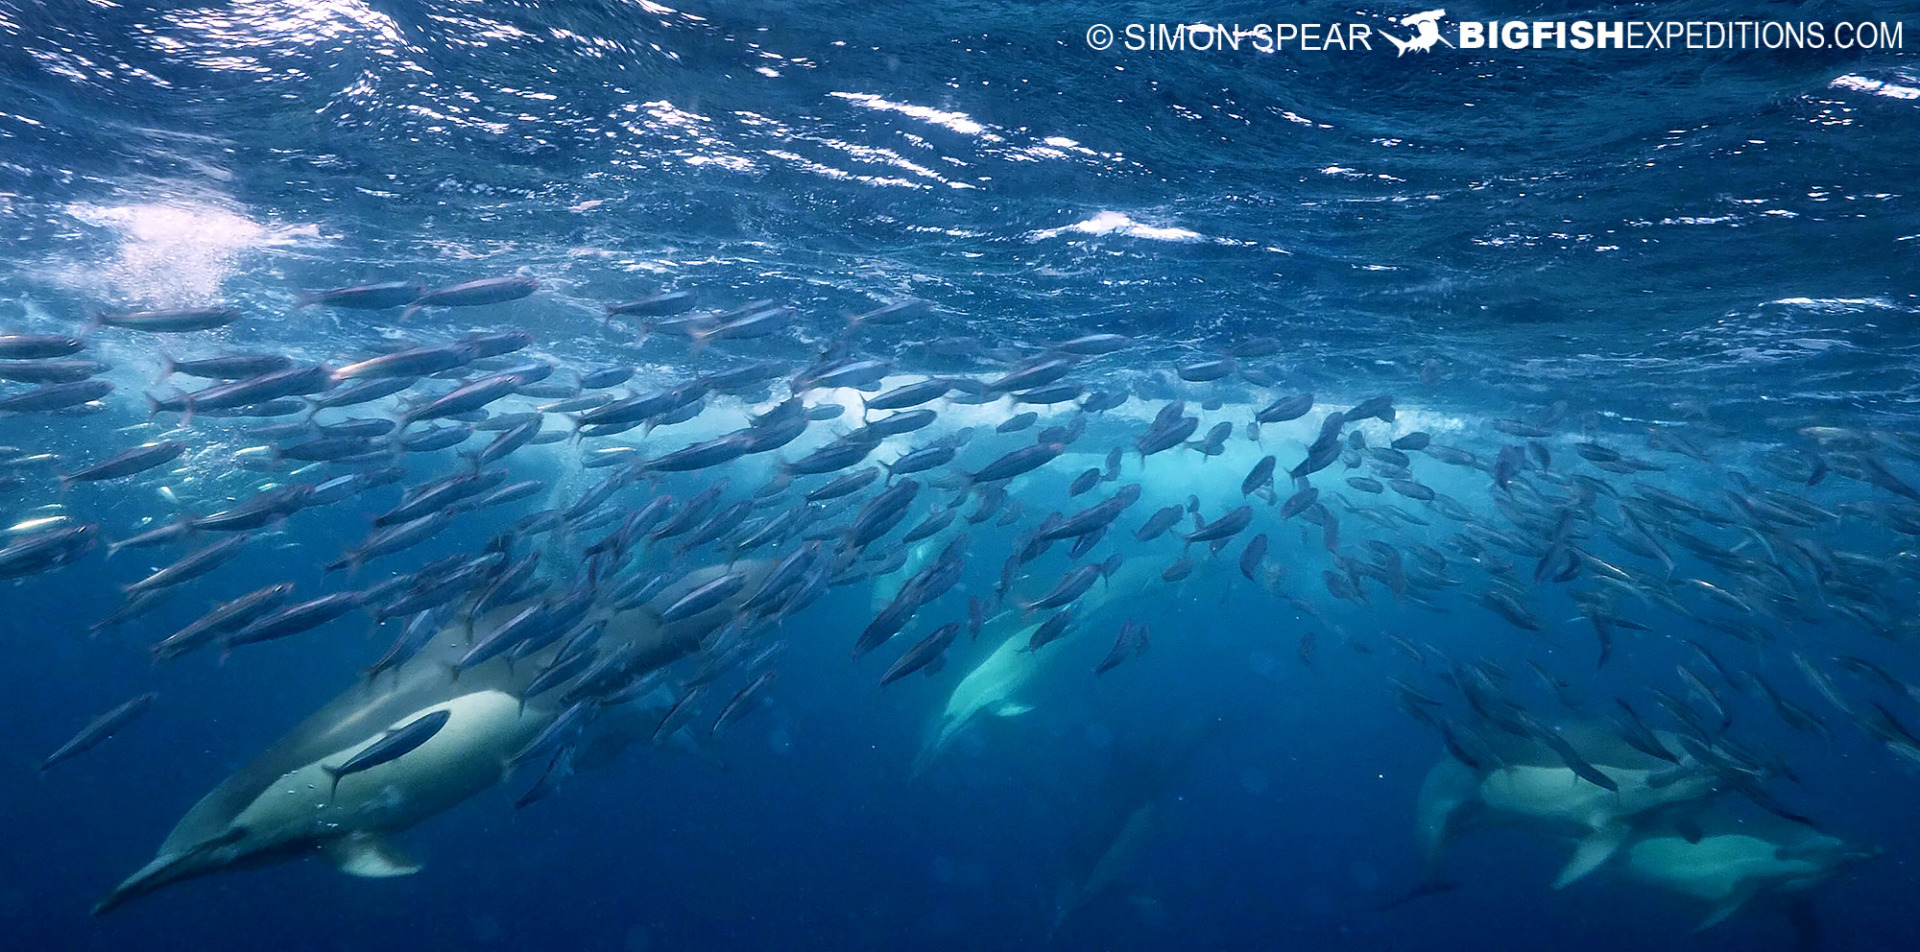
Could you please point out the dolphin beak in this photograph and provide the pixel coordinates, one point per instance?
(160, 872)
(167, 868)
(1861, 854)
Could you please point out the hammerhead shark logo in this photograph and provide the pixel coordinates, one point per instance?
(1426, 32)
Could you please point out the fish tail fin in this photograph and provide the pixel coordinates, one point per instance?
(409, 312)
(167, 366)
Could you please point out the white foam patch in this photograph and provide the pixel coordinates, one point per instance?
(176, 253)
(957, 121)
(1834, 304)
(1875, 86)
(1116, 223)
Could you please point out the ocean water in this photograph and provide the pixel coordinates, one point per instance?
(1574, 257)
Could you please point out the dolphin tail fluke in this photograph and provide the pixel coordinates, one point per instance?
(1592, 853)
(369, 855)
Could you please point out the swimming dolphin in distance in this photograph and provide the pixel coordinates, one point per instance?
(327, 789)
(994, 687)
(1529, 784)
(1121, 813)
(1001, 685)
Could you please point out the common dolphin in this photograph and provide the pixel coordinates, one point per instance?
(1724, 862)
(281, 806)
(992, 687)
(1531, 785)
(1124, 812)
(1000, 685)
(1121, 850)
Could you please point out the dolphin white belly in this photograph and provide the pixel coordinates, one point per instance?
(466, 756)
(989, 687)
(1534, 789)
(1713, 869)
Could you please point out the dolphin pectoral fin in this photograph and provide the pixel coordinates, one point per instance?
(368, 855)
(1592, 853)
(1724, 908)
(1011, 709)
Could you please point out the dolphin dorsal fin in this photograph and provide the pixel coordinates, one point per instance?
(370, 856)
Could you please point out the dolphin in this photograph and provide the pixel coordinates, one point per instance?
(1000, 685)
(1122, 847)
(285, 803)
(1724, 862)
(1528, 784)
(993, 687)
(1123, 810)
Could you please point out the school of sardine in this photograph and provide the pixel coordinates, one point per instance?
(1773, 562)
